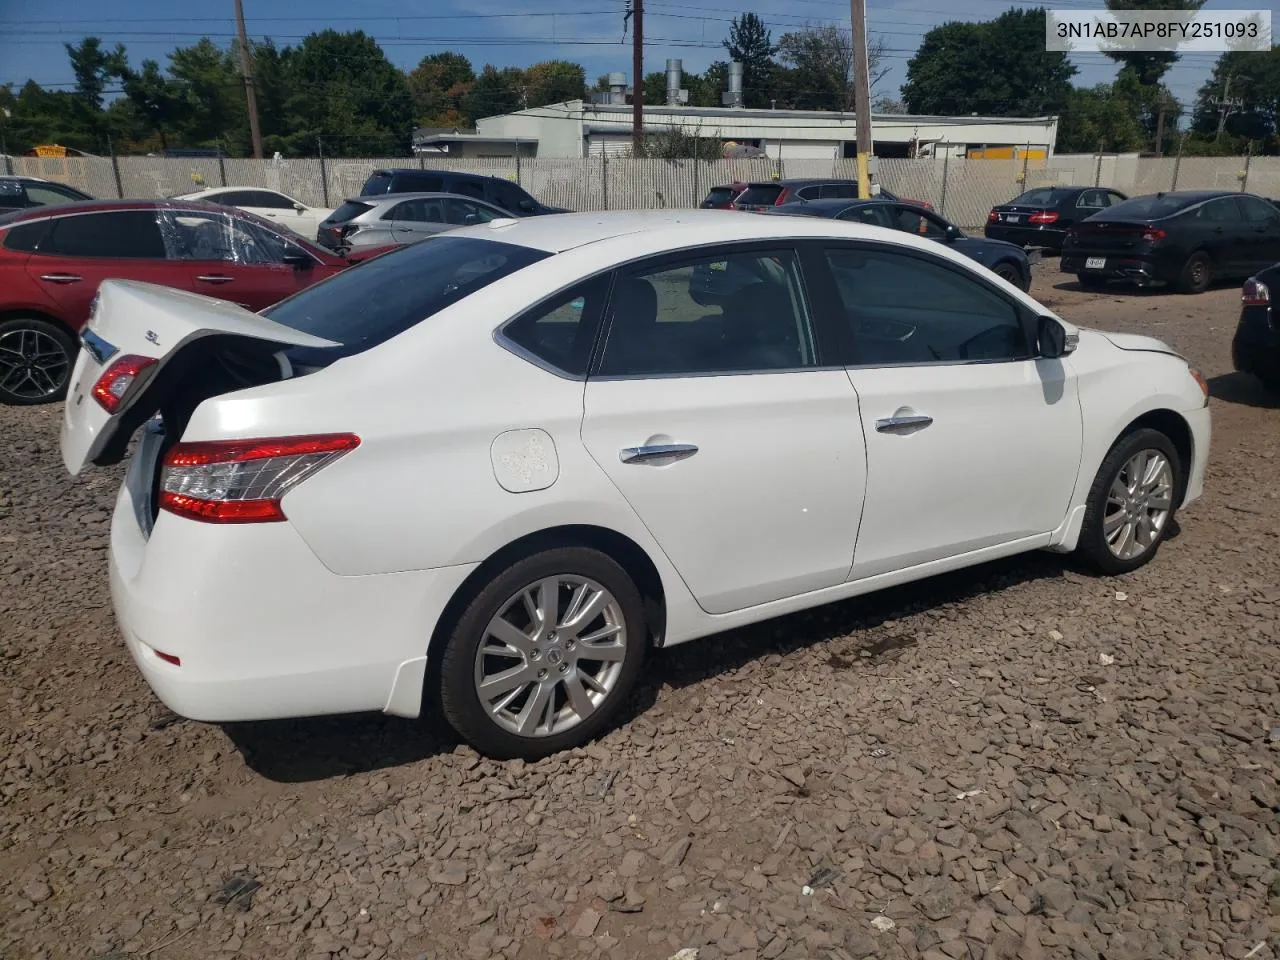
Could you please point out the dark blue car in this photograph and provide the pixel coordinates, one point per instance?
(1006, 260)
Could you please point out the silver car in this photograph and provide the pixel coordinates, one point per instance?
(401, 218)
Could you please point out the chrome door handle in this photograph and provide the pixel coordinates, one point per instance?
(215, 278)
(889, 424)
(657, 451)
(61, 277)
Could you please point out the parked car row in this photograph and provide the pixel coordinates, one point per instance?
(758, 196)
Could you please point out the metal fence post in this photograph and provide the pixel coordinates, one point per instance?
(604, 174)
(324, 176)
(518, 181)
(115, 168)
(1248, 159)
(946, 159)
(1177, 162)
(1097, 174)
(222, 167)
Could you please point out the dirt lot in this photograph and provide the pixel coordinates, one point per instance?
(1022, 760)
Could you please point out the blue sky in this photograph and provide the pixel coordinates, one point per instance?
(504, 32)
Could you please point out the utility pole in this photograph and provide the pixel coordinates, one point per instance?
(861, 94)
(1226, 106)
(247, 72)
(637, 79)
(1160, 126)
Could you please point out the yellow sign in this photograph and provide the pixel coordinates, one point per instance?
(50, 150)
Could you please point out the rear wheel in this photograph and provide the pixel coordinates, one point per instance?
(1196, 274)
(544, 656)
(1131, 502)
(1091, 280)
(36, 358)
(1007, 271)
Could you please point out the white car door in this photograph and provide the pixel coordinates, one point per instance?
(281, 209)
(972, 440)
(710, 410)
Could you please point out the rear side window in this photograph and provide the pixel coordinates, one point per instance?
(560, 332)
(25, 236)
(842, 191)
(349, 210)
(120, 235)
(763, 194)
(370, 303)
(719, 195)
(377, 183)
(509, 196)
(467, 187)
(418, 183)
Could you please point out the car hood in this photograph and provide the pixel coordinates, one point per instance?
(1136, 341)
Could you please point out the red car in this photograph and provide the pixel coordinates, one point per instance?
(53, 258)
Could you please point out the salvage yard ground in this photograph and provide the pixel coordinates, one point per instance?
(1022, 760)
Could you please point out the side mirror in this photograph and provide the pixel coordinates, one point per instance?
(1052, 341)
(470, 219)
(952, 233)
(297, 259)
(300, 207)
(526, 205)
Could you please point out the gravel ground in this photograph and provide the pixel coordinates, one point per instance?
(1021, 760)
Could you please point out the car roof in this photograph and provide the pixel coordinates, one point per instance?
(1191, 196)
(677, 228)
(415, 171)
(23, 176)
(80, 207)
(385, 198)
(838, 203)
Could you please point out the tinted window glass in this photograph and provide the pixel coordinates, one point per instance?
(126, 234)
(905, 309)
(734, 312)
(1256, 210)
(560, 332)
(465, 212)
(1219, 211)
(266, 199)
(1041, 196)
(418, 183)
(760, 194)
(349, 210)
(917, 221)
(39, 194)
(25, 236)
(844, 191)
(509, 196)
(872, 214)
(417, 211)
(719, 195)
(366, 304)
(1092, 198)
(1151, 207)
(377, 183)
(467, 187)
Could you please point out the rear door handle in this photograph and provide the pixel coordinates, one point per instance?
(215, 278)
(657, 451)
(61, 277)
(890, 424)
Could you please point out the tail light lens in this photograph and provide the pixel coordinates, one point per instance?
(1255, 294)
(782, 197)
(243, 481)
(1048, 216)
(993, 217)
(1152, 234)
(117, 379)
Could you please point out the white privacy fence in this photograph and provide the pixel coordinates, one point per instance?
(963, 190)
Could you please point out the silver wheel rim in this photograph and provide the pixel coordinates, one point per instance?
(1138, 504)
(551, 656)
(1199, 270)
(33, 364)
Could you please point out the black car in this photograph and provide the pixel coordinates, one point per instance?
(21, 193)
(1255, 348)
(1040, 217)
(762, 195)
(495, 190)
(1006, 260)
(1187, 238)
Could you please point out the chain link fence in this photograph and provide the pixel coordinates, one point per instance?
(962, 190)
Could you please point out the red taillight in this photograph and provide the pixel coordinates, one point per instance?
(1255, 294)
(117, 379)
(1152, 234)
(1048, 216)
(169, 658)
(993, 217)
(243, 481)
(782, 197)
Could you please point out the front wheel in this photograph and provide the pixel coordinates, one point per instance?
(36, 358)
(1011, 274)
(544, 656)
(1131, 502)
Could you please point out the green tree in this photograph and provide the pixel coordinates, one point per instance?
(94, 68)
(494, 92)
(1150, 65)
(751, 44)
(554, 81)
(214, 92)
(998, 67)
(439, 83)
(1100, 117)
(1254, 79)
(161, 103)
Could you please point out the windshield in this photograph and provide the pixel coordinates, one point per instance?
(377, 183)
(763, 194)
(349, 210)
(1151, 207)
(1041, 196)
(368, 304)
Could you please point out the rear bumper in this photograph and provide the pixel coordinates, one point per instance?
(1139, 269)
(262, 628)
(1029, 236)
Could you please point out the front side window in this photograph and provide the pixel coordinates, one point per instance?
(1092, 198)
(560, 332)
(120, 234)
(870, 213)
(509, 196)
(905, 309)
(1222, 210)
(40, 195)
(1257, 211)
(912, 220)
(266, 199)
(727, 313)
(465, 213)
(196, 235)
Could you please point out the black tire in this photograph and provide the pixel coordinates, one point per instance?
(1009, 272)
(1196, 274)
(1093, 543)
(1091, 281)
(23, 374)
(461, 703)
(1271, 383)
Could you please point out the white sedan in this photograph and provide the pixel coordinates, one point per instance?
(569, 439)
(282, 208)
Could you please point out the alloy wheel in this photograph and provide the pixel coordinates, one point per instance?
(33, 364)
(551, 656)
(1138, 504)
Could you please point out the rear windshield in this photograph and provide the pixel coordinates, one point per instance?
(374, 301)
(720, 195)
(1151, 207)
(377, 183)
(1041, 196)
(349, 210)
(766, 194)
